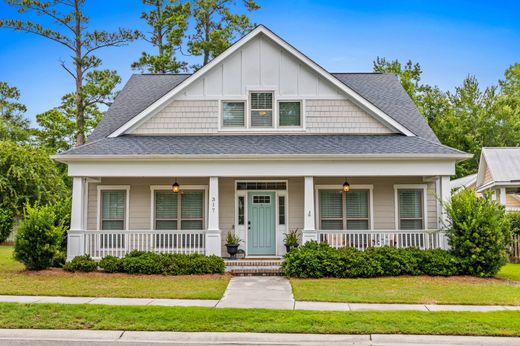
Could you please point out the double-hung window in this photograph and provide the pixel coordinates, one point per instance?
(411, 209)
(261, 109)
(344, 211)
(113, 209)
(179, 211)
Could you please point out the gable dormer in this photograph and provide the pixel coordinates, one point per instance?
(261, 85)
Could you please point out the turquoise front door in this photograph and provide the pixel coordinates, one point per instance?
(261, 234)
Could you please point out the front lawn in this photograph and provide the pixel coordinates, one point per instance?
(191, 319)
(55, 282)
(510, 272)
(417, 289)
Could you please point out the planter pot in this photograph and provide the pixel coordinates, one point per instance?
(289, 247)
(232, 250)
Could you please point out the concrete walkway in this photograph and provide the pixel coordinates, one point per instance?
(263, 292)
(92, 337)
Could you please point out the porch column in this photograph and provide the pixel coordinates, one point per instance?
(503, 196)
(75, 236)
(213, 243)
(445, 196)
(309, 228)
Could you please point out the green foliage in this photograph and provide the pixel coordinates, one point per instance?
(81, 264)
(168, 21)
(291, 238)
(28, 175)
(217, 27)
(468, 118)
(13, 126)
(111, 264)
(38, 238)
(65, 23)
(314, 260)
(6, 224)
(232, 239)
(478, 233)
(138, 262)
(514, 222)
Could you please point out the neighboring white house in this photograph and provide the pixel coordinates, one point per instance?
(499, 172)
(260, 141)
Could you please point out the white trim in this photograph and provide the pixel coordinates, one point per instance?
(354, 96)
(369, 187)
(127, 206)
(154, 188)
(423, 187)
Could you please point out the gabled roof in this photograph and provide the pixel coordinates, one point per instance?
(464, 182)
(263, 31)
(235, 146)
(503, 165)
(383, 90)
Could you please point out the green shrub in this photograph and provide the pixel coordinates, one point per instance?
(81, 264)
(59, 259)
(38, 238)
(314, 260)
(514, 221)
(478, 233)
(6, 224)
(439, 262)
(111, 264)
(137, 262)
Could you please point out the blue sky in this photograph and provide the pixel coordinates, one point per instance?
(450, 39)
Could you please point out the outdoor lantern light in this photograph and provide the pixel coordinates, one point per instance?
(175, 187)
(346, 186)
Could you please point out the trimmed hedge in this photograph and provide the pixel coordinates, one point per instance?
(81, 264)
(317, 260)
(138, 262)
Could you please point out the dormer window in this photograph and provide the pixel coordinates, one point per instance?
(261, 109)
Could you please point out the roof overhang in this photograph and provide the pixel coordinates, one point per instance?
(353, 95)
(493, 184)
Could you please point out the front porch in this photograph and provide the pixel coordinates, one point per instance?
(113, 216)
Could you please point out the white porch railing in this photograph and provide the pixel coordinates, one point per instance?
(515, 249)
(422, 239)
(99, 244)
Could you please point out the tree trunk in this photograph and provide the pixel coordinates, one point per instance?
(206, 38)
(78, 62)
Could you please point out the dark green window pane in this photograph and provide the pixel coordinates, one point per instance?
(290, 114)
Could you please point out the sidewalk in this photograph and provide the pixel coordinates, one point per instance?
(109, 337)
(255, 292)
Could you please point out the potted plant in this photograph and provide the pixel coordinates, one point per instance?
(291, 239)
(232, 244)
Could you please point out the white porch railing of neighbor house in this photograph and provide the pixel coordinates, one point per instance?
(515, 249)
(99, 244)
(422, 239)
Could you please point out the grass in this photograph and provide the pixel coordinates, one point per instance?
(510, 272)
(156, 318)
(420, 289)
(14, 280)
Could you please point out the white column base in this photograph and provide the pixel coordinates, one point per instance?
(309, 235)
(213, 243)
(75, 244)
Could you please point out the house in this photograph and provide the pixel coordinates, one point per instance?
(467, 182)
(499, 173)
(260, 141)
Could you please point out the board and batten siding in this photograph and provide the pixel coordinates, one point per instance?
(383, 190)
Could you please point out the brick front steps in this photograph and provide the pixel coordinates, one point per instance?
(254, 267)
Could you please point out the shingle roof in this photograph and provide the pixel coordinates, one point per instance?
(140, 91)
(382, 90)
(264, 145)
(385, 91)
(504, 163)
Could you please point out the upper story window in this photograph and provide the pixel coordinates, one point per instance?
(264, 112)
(233, 114)
(289, 113)
(261, 109)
